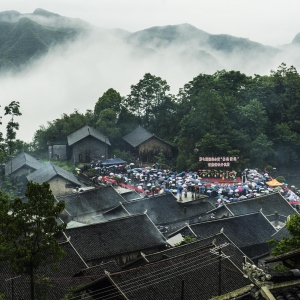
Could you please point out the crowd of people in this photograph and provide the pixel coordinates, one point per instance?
(252, 183)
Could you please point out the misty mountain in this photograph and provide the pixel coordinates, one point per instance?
(187, 37)
(296, 39)
(24, 37)
(45, 18)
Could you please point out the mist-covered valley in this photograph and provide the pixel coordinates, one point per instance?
(53, 64)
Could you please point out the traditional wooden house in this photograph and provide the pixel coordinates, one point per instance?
(83, 206)
(87, 144)
(249, 232)
(120, 239)
(146, 145)
(213, 240)
(197, 272)
(61, 181)
(164, 210)
(22, 164)
(268, 204)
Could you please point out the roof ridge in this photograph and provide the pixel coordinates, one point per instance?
(231, 217)
(77, 252)
(267, 219)
(54, 168)
(156, 227)
(222, 233)
(109, 221)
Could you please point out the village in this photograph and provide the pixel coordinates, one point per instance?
(144, 232)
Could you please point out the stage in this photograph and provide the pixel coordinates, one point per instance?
(220, 180)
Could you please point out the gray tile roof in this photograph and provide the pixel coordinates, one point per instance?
(165, 209)
(283, 232)
(163, 280)
(132, 195)
(236, 255)
(84, 132)
(95, 272)
(114, 213)
(268, 204)
(95, 200)
(49, 171)
(60, 279)
(245, 230)
(103, 240)
(22, 159)
(139, 136)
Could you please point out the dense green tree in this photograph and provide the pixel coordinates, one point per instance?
(127, 121)
(260, 150)
(13, 110)
(107, 124)
(27, 230)
(7, 145)
(258, 117)
(111, 99)
(252, 117)
(59, 129)
(146, 97)
(287, 244)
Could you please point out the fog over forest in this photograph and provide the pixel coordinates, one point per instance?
(75, 74)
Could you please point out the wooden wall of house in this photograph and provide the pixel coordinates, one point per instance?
(88, 149)
(58, 186)
(25, 170)
(150, 148)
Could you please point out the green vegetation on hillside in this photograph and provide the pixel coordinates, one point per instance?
(25, 40)
(225, 114)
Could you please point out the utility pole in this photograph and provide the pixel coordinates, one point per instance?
(219, 273)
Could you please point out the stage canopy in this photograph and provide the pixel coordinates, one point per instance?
(274, 183)
(113, 161)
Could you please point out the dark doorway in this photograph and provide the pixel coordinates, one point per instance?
(88, 156)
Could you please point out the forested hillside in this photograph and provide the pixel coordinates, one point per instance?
(22, 39)
(225, 114)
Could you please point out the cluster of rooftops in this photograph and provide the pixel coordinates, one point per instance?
(120, 245)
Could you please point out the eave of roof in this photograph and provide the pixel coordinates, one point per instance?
(84, 132)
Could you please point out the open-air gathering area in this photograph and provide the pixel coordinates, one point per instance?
(149, 150)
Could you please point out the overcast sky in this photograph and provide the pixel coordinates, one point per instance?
(271, 22)
(77, 76)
